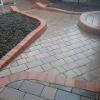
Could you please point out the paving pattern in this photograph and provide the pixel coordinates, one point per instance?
(38, 90)
(63, 50)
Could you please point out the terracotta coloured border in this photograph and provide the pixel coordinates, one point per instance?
(30, 38)
(55, 79)
(85, 26)
(44, 6)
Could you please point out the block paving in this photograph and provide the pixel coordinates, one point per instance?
(38, 90)
(63, 50)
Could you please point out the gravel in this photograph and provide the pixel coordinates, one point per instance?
(13, 29)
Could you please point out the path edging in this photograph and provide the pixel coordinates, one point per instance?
(42, 6)
(54, 79)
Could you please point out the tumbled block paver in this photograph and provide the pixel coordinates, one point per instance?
(34, 63)
(62, 95)
(49, 93)
(63, 49)
(31, 87)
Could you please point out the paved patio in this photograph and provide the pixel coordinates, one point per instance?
(63, 50)
(38, 90)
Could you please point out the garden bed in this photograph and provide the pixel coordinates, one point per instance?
(18, 31)
(74, 6)
(13, 29)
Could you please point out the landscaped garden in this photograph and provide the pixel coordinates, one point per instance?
(13, 29)
(63, 64)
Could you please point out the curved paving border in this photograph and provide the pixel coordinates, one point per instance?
(34, 35)
(55, 79)
(44, 6)
(85, 26)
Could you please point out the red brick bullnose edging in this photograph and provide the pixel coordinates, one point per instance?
(44, 6)
(30, 38)
(55, 79)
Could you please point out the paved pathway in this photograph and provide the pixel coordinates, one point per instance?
(37, 90)
(63, 50)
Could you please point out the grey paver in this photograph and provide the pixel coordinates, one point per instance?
(49, 93)
(34, 63)
(32, 53)
(31, 87)
(53, 71)
(85, 93)
(70, 74)
(43, 83)
(46, 67)
(5, 72)
(36, 69)
(89, 76)
(60, 87)
(85, 98)
(21, 61)
(49, 59)
(19, 68)
(15, 85)
(14, 64)
(32, 97)
(64, 88)
(62, 95)
(58, 63)
(11, 94)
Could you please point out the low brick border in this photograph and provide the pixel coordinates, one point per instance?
(44, 6)
(54, 79)
(82, 23)
(29, 39)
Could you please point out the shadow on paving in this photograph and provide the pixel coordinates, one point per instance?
(74, 6)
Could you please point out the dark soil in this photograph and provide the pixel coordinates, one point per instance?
(13, 29)
(74, 6)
